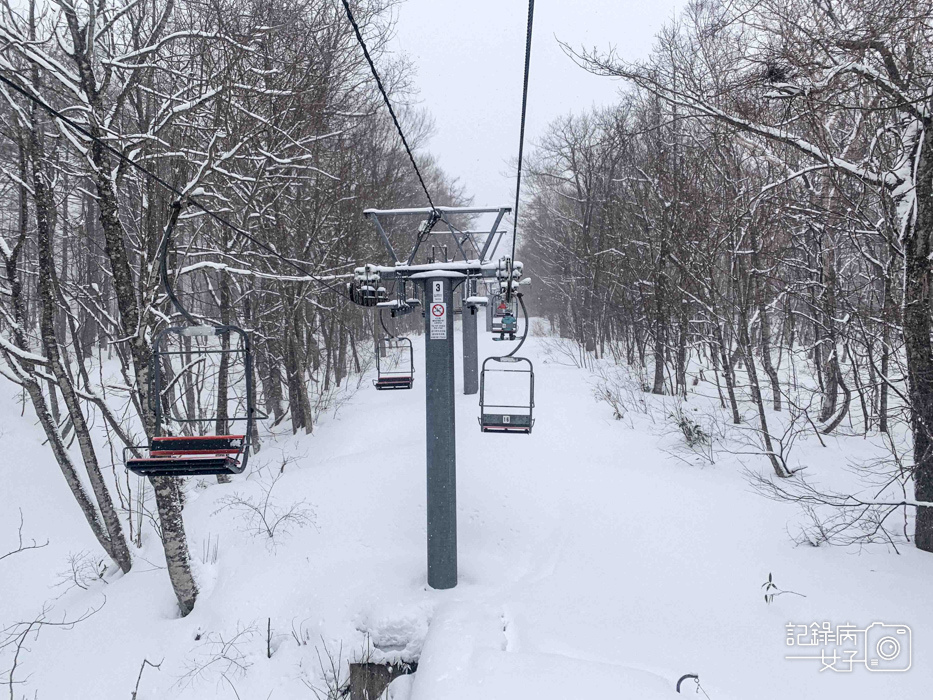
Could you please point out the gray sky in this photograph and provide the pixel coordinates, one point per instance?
(469, 57)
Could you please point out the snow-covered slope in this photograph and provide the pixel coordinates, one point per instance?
(592, 565)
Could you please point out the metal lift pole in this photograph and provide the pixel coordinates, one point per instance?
(470, 349)
(378, 335)
(439, 280)
(492, 301)
(441, 430)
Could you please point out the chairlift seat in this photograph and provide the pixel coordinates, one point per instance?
(506, 423)
(399, 382)
(196, 465)
(186, 455)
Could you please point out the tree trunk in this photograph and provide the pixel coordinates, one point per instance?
(660, 327)
(271, 380)
(174, 542)
(340, 368)
(682, 328)
(766, 355)
(776, 462)
(29, 383)
(116, 542)
(917, 326)
(168, 500)
(888, 313)
(727, 373)
(829, 341)
(297, 392)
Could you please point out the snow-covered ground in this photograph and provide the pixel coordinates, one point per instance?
(593, 564)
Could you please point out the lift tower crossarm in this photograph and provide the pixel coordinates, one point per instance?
(470, 268)
(443, 215)
(493, 231)
(383, 236)
(443, 210)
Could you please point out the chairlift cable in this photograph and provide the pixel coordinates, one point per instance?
(171, 188)
(383, 324)
(163, 263)
(521, 136)
(525, 333)
(385, 96)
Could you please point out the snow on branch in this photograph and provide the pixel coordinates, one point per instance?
(21, 354)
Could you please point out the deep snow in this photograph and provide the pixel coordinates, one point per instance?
(593, 564)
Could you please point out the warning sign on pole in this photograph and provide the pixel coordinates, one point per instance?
(438, 321)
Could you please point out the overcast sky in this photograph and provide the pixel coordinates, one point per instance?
(469, 58)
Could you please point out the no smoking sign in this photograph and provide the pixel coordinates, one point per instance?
(438, 321)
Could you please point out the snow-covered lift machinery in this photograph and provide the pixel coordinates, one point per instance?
(402, 305)
(505, 315)
(366, 288)
(173, 380)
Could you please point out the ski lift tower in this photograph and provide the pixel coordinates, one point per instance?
(473, 260)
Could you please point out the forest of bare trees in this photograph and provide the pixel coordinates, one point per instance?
(207, 211)
(266, 111)
(758, 205)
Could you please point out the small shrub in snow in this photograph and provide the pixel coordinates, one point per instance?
(301, 635)
(83, 571)
(22, 546)
(772, 591)
(612, 398)
(142, 668)
(267, 518)
(220, 658)
(15, 637)
(693, 432)
(209, 549)
(334, 683)
(561, 351)
(845, 519)
(619, 391)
